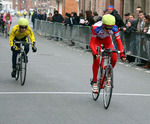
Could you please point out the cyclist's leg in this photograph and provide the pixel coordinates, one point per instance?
(26, 49)
(95, 65)
(109, 44)
(14, 59)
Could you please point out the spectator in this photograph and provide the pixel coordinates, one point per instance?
(50, 17)
(129, 37)
(67, 17)
(105, 12)
(131, 17)
(44, 16)
(81, 19)
(57, 17)
(89, 21)
(40, 15)
(29, 14)
(76, 19)
(147, 31)
(141, 23)
(119, 21)
(95, 14)
(147, 24)
(126, 18)
(34, 16)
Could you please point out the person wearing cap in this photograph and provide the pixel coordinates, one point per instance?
(126, 18)
(20, 32)
(101, 34)
(119, 21)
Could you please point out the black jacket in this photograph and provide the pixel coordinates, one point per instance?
(58, 18)
(119, 21)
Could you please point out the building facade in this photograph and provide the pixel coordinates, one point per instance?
(63, 6)
(6, 4)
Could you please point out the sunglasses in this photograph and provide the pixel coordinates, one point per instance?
(108, 28)
(23, 27)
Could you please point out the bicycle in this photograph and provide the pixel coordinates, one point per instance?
(21, 64)
(105, 76)
(6, 28)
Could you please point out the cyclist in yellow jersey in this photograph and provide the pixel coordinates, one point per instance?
(20, 32)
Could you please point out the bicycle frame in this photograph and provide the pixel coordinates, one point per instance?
(22, 56)
(104, 56)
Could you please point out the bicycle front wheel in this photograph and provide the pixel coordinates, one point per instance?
(23, 66)
(17, 70)
(96, 95)
(108, 86)
(6, 33)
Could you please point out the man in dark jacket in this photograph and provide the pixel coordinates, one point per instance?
(119, 21)
(57, 17)
(34, 16)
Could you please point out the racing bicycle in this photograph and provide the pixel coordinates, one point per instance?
(21, 64)
(105, 76)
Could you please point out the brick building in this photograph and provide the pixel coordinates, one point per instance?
(122, 6)
(63, 6)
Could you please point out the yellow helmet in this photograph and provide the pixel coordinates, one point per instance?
(23, 22)
(108, 19)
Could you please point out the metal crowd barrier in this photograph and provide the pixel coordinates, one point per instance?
(136, 45)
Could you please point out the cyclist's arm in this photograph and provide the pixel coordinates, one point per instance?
(10, 18)
(12, 36)
(92, 41)
(31, 35)
(4, 18)
(118, 40)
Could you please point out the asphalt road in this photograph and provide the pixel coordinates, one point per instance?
(57, 89)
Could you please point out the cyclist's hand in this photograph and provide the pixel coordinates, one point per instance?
(12, 48)
(123, 59)
(96, 56)
(122, 56)
(34, 49)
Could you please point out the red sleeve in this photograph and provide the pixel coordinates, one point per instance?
(93, 41)
(118, 40)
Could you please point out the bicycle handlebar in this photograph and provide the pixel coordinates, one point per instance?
(21, 42)
(108, 51)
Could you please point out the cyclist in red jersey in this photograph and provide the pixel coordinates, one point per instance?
(101, 34)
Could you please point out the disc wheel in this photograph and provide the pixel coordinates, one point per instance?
(108, 86)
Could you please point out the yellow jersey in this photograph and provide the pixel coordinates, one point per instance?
(16, 33)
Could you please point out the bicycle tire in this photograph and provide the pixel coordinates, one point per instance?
(23, 65)
(17, 71)
(95, 96)
(108, 86)
(6, 33)
(17, 67)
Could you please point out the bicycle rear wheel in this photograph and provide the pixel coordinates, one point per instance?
(108, 86)
(23, 65)
(96, 95)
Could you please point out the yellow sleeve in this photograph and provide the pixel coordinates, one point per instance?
(31, 35)
(12, 36)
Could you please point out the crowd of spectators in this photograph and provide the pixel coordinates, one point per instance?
(140, 24)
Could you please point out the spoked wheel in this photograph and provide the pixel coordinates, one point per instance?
(17, 70)
(23, 65)
(96, 95)
(6, 33)
(108, 86)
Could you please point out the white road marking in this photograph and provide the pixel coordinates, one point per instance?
(70, 93)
